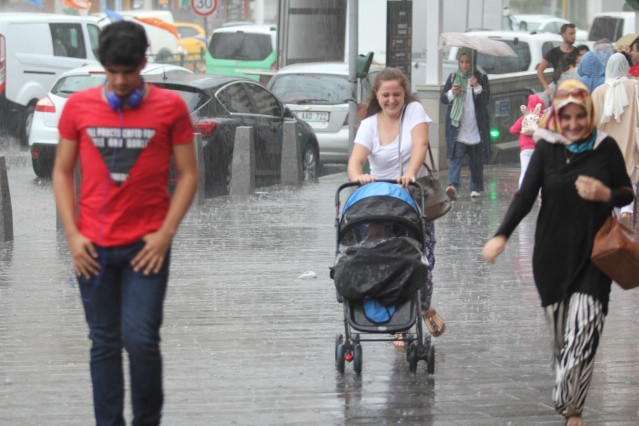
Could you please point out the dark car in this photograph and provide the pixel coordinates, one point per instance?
(218, 105)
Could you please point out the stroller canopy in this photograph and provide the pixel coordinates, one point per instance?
(380, 189)
(381, 201)
(379, 248)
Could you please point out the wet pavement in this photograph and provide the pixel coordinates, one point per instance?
(245, 341)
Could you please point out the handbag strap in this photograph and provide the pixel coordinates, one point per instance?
(431, 170)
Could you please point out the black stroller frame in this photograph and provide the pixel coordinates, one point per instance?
(405, 321)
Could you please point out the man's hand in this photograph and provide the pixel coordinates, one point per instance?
(84, 255)
(151, 257)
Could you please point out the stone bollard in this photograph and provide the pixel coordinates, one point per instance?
(291, 171)
(201, 169)
(243, 167)
(6, 213)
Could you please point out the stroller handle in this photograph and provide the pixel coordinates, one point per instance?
(356, 183)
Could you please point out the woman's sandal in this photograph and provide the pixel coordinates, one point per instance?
(400, 340)
(435, 324)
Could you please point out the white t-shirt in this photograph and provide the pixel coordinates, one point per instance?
(468, 130)
(383, 160)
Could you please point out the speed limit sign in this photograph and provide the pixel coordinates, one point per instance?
(204, 7)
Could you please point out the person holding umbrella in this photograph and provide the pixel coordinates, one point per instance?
(467, 94)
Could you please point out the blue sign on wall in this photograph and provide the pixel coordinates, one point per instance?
(502, 108)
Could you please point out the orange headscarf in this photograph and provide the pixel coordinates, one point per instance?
(570, 91)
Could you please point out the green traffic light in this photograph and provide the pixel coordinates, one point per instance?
(494, 134)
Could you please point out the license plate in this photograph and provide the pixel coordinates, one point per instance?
(314, 116)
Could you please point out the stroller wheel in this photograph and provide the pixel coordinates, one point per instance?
(430, 360)
(412, 355)
(357, 358)
(340, 361)
(339, 338)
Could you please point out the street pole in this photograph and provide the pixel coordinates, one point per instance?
(352, 70)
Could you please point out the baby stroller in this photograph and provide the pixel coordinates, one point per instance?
(379, 271)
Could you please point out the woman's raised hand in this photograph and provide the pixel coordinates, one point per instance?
(592, 189)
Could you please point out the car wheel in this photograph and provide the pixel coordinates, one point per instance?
(25, 125)
(310, 161)
(42, 167)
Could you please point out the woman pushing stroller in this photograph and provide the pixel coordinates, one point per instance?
(393, 137)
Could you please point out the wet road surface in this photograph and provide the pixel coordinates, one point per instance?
(245, 341)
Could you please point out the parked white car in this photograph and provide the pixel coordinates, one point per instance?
(43, 137)
(35, 49)
(318, 93)
(546, 24)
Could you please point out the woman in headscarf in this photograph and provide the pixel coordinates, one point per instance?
(581, 174)
(591, 71)
(467, 94)
(615, 104)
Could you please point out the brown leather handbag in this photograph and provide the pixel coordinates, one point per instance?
(616, 251)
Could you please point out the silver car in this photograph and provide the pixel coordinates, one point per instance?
(43, 136)
(318, 93)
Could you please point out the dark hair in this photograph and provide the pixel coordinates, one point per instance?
(565, 27)
(635, 42)
(567, 61)
(628, 58)
(387, 74)
(583, 48)
(122, 43)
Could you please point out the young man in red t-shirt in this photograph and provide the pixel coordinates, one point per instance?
(124, 134)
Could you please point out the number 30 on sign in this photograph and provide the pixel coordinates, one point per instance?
(204, 7)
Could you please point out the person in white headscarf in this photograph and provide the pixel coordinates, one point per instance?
(615, 105)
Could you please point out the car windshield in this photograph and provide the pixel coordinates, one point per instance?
(311, 88)
(240, 46)
(67, 86)
(187, 32)
(194, 98)
(606, 27)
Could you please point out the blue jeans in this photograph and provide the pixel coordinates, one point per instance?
(475, 161)
(123, 308)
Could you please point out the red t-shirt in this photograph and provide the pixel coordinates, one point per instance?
(125, 161)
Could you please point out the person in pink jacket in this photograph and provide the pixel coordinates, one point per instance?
(525, 127)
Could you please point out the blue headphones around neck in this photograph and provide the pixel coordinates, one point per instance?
(133, 100)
